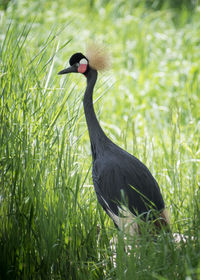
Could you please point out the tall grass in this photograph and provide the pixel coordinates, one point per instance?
(51, 224)
(46, 228)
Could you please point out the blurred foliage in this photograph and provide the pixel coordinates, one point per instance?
(4, 4)
(177, 4)
(153, 4)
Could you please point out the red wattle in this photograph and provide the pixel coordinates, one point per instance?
(82, 68)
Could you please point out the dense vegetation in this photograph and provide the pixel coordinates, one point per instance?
(51, 226)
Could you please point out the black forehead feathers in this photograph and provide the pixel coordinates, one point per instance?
(76, 58)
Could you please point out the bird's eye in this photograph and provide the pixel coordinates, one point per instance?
(77, 64)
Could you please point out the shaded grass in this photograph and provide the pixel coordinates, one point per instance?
(50, 219)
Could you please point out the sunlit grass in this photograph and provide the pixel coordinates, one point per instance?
(51, 224)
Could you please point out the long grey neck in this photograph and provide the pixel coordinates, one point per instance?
(98, 138)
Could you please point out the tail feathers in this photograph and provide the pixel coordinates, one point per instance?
(163, 220)
(129, 224)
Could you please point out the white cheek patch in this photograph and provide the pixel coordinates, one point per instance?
(83, 61)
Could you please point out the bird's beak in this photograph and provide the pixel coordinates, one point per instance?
(71, 69)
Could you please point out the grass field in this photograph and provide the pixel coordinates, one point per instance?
(51, 226)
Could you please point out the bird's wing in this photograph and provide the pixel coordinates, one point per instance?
(126, 181)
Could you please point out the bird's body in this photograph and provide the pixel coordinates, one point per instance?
(119, 178)
(131, 182)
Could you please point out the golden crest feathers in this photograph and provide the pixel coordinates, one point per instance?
(98, 57)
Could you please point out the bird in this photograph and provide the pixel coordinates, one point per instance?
(124, 186)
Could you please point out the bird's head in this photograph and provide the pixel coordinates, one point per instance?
(78, 64)
(96, 58)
